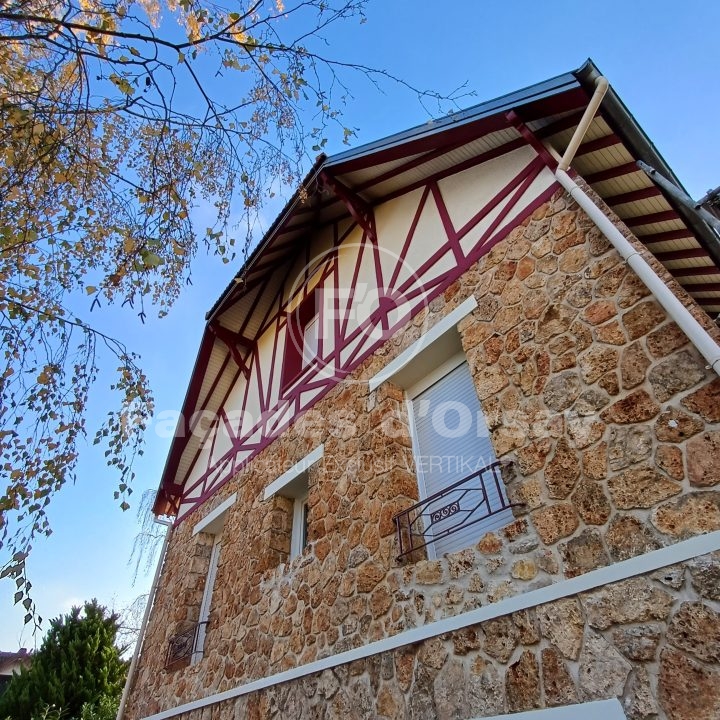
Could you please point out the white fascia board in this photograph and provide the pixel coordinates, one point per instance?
(424, 341)
(640, 565)
(597, 710)
(287, 477)
(214, 520)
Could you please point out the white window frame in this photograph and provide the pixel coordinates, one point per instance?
(206, 604)
(212, 524)
(410, 394)
(298, 539)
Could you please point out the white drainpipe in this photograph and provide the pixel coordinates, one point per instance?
(143, 624)
(695, 332)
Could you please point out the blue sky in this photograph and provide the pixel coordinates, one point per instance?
(660, 56)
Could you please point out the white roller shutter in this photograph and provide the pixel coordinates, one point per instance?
(452, 442)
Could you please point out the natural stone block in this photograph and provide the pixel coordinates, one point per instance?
(590, 402)
(609, 283)
(595, 461)
(465, 640)
(524, 570)
(522, 683)
(603, 671)
(695, 628)
(633, 365)
(705, 576)
(485, 691)
(555, 522)
(532, 457)
(689, 515)
(611, 333)
(610, 383)
(561, 623)
(433, 653)
(670, 459)
(563, 470)
(679, 674)
(449, 692)
(640, 703)
(573, 260)
(640, 642)
(641, 488)
(580, 294)
(705, 401)
(674, 426)
(557, 682)
(677, 373)
(599, 312)
(641, 319)
(596, 362)
(627, 537)
(584, 431)
(490, 544)
(703, 459)
(583, 553)
(499, 638)
(591, 503)
(630, 601)
(665, 340)
(636, 407)
(561, 391)
(632, 290)
(629, 445)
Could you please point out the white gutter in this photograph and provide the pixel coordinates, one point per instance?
(695, 332)
(146, 616)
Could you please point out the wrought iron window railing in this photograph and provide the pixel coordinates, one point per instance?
(182, 646)
(468, 499)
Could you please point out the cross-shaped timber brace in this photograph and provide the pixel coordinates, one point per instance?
(360, 211)
(233, 341)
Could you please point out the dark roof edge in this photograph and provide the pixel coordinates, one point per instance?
(491, 107)
(268, 236)
(614, 109)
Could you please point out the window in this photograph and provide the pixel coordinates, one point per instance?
(299, 536)
(459, 480)
(302, 344)
(293, 485)
(212, 524)
(452, 448)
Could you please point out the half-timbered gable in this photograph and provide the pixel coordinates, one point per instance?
(449, 447)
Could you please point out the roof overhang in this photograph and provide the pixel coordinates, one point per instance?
(337, 186)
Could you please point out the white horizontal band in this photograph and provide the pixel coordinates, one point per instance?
(211, 520)
(596, 710)
(423, 342)
(640, 565)
(298, 469)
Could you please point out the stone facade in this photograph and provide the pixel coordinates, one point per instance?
(651, 641)
(609, 422)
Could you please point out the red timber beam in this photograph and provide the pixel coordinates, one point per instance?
(233, 342)
(681, 254)
(280, 411)
(633, 196)
(359, 210)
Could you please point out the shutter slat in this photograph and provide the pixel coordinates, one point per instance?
(452, 443)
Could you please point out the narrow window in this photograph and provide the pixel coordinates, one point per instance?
(302, 344)
(452, 447)
(299, 525)
(204, 618)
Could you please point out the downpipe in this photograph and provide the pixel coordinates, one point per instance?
(146, 615)
(695, 332)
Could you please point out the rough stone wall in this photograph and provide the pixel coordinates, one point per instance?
(609, 417)
(653, 641)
